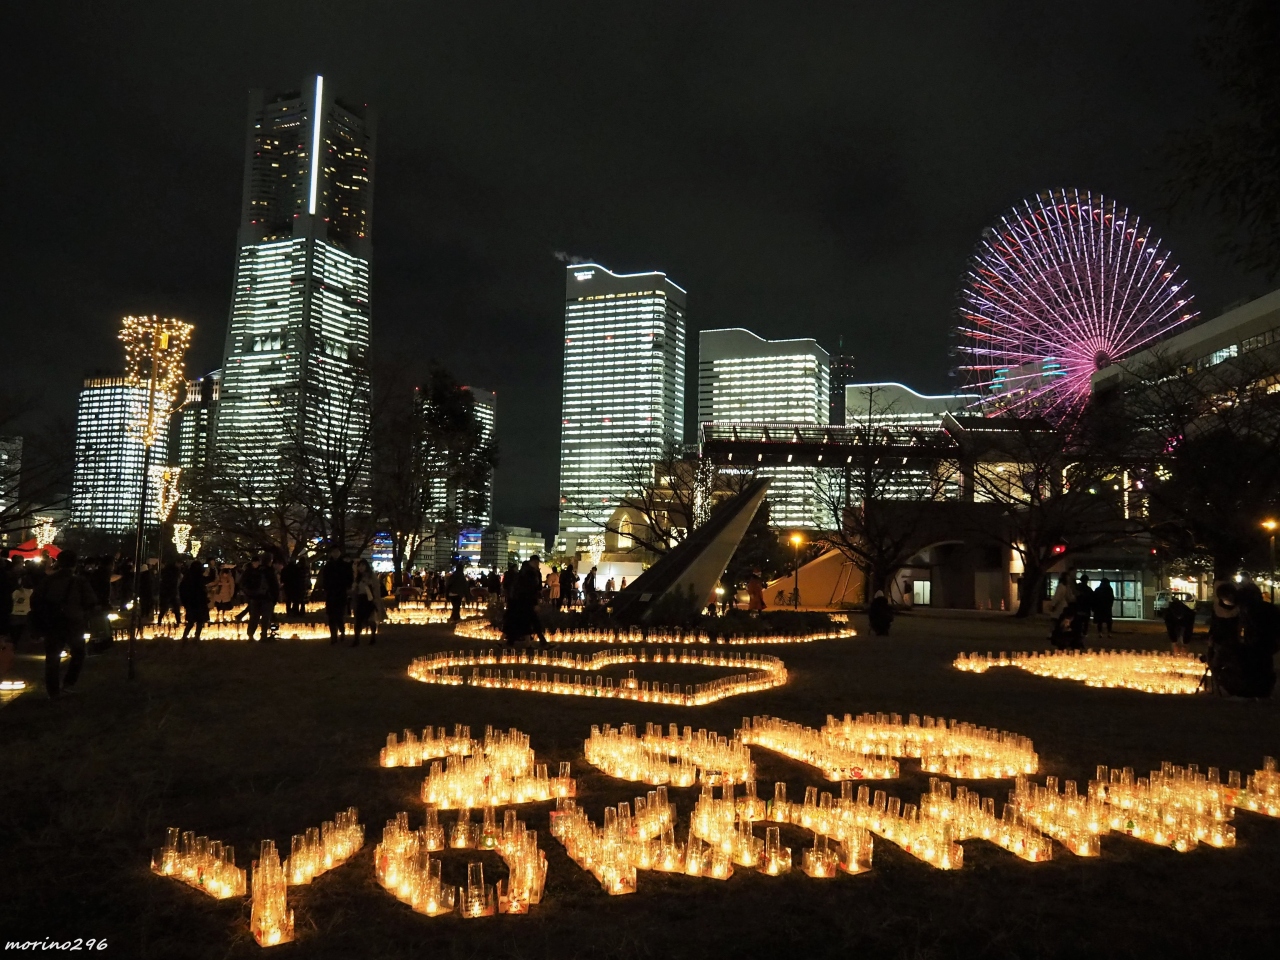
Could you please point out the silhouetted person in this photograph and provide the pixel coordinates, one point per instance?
(194, 594)
(1104, 601)
(1180, 624)
(336, 578)
(60, 608)
(880, 614)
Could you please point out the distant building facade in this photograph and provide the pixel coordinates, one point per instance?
(841, 375)
(623, 388)
(107, 477)
(500, 545)
(743, 378)
(895, 407)
(295, 367)
(195, 422)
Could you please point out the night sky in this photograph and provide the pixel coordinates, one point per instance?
(803, 170)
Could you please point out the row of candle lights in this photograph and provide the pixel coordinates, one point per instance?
(676, 759)
(1150, 671)
(228, 630)
(863, 747)
(449, 668)
(434, 743)
(480, 629)
(209, 866)
(502, 771)
(403, 865)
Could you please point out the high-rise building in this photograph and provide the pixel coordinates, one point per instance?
(195, 420)
(841, 374)
(486, 413)
(107, 478)
(743, 378)
(457, 528)
(623, 388)
(10, 480)
(295, 366)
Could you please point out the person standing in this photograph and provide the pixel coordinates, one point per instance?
(456, 591)
(880, 614)
(755, 593)
(260, 588)
(1083, 610)
(336, 578)
(195, 599)
(1180, 623)
(365, 593)
(1259, 640)
(590, 593)
(146, 595)
(295, 580)
(553, 588)
(1104, 601)
(60, 608)
(568, 584)
(170, 577)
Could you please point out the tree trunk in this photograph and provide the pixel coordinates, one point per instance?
(1029, 601)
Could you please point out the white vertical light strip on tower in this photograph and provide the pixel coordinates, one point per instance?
(315, 143)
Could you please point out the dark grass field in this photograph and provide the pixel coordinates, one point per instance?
(246, 742)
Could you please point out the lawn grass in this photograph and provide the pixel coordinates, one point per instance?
(243, 742)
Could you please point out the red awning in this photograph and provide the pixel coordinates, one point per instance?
(30, 551)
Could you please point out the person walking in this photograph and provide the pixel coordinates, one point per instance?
(1104, 601)
(336, 578)
(193, 593)
(260, 589)
(1083, 611)
(60, 608)
(365, 592)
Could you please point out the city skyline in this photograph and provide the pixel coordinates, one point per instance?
(852, 216)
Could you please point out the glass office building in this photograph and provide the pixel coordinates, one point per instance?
(107, 477)
(295, 366)
(743, 378)
(623, 388)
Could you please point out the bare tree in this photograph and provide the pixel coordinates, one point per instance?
(876, 498)
(668, 495)
(1057, 494)
(35, 469)
(432, 462)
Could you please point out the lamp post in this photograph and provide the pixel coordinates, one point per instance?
(1270, 527)
(153, 349)
(796, 540)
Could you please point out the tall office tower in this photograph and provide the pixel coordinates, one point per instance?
(623, 388)
(464, 526)
(486, 413)
(195, 420)
(841, 374)
(745, 379)
(295, 366)
(107, 477)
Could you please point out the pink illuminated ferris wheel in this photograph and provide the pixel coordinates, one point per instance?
(1063, 284)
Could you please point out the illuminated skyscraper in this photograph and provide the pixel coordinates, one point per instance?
(743, 378)
(624, 356)
(486, 413)
(841, 374)
(296, 358)
(107, 478)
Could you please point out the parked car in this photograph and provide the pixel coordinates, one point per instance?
(1165, 597)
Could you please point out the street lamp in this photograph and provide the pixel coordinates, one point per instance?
(153, 351)
(1270, 527)
(796, 540)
